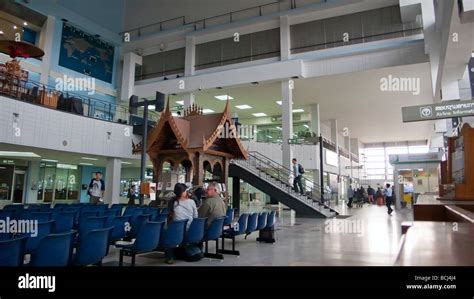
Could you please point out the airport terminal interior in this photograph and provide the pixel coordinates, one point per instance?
(237, 133)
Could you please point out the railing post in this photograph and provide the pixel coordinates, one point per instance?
(230, 14)
(161, 26)
(260, 10)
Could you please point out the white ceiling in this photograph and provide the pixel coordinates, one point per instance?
(354, 99)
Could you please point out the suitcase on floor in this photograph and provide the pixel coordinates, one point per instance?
(380, 201)
(266, 235)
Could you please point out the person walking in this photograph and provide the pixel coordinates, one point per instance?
(350, 196)
(298, 171)
(96, 188)
(388, 192)
(371, 194)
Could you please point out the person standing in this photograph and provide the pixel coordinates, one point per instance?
(350, 196)
(298, 171)
(96, 188)
(388, 192)
(132, 195)
(370, 194)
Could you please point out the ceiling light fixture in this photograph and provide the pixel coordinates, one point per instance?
(25, 24)
(180, 103)
(86, 164)
(280, 102)
(49, 160)
(19, 154)
(123, 162)
(243, 107)
(259, 114)
(206, 111)
(89, 158)
(224, 97)
(14, 27)
(298, 110)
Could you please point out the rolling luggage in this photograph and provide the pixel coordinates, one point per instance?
(266, 235)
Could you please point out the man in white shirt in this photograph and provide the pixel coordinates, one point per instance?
(388, 192)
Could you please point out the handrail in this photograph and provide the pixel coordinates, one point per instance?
(153, 24)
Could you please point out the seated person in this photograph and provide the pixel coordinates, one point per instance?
(213, 206)
(180, 208)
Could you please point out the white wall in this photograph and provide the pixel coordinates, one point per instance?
(47, 128)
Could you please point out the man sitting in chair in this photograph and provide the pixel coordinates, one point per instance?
(213, 206)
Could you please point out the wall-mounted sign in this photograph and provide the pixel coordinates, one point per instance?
(354, 167)
(448, 109)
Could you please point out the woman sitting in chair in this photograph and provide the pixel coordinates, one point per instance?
(181, 207)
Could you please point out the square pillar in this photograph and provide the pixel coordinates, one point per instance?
(32, 178)
(285, 42)
(287, 121)
(188, 99)
(46, 43)
(112, 180)
(190, 56)
(130, 60)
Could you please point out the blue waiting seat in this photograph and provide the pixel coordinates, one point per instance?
(161, 218)
(262, 221)
(214, 232)
(147, 240)
(14, 207)
(173, 236)
(64, 222)
(12, 252)
(111, 213)
(137, 222)
(239, 229)
(267, 234)
(251, 224)
(93, 247)
(44, 229)
(129, 210)
(195, 232)
(87, 214)
(54, 250)
(164, 211)
(120, 228)
(4, 214)
(91, 223)
(45, 207)
(229, 217)
(41, 216)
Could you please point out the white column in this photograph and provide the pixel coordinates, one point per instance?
(113, 172)
(46, 43)
(287, 121)
(130, 60)
(188, 99)
(190, 56)
(32, 180)
(316, 129)
(285, 43)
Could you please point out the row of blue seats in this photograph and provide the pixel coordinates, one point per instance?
(116, 228)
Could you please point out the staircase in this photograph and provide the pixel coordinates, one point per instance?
(273, 179)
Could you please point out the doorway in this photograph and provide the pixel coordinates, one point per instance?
(18, 186)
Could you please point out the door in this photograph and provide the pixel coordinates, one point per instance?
(18, 193)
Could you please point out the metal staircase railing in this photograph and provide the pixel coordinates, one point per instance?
(280, 176)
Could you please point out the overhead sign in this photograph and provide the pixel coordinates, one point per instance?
(355, 167)
(447, 109)
(415, 158)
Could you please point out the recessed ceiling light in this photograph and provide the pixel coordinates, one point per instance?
(66, 166)
(25, 24)
(306, 126)
(88, 158)
(1, 32)
(49, 160)
(86, 164)
(180, 102)
(174, 114)
(259, 114)
(207, 111)
(224, 97)
(298, 110)
(152, 107)
(280, 102)
(243, 107)
(268, 136)
(123, 162)
(14, 27)
(279, 128)
(19, 154)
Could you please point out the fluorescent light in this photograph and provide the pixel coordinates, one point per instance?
(180, 102)
(152, 107)
(3, 167)
(224, 97)
(25, 24)
(207, 111)
(14, 27)
(298, 110)
(306, 126)
(19, 154)
(66, 166)
(1, 32)
(49, 160)
(270, 137)
(279, 128)
(88, 158)
(174, 114)
(243, 107)
(123, 162)
(86, 164)
(259, 114)
(281, 102)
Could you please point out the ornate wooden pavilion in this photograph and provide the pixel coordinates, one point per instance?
(195, 142)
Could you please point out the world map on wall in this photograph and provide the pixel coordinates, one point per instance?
(86, 54)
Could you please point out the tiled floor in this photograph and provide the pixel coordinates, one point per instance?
(311, 242)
